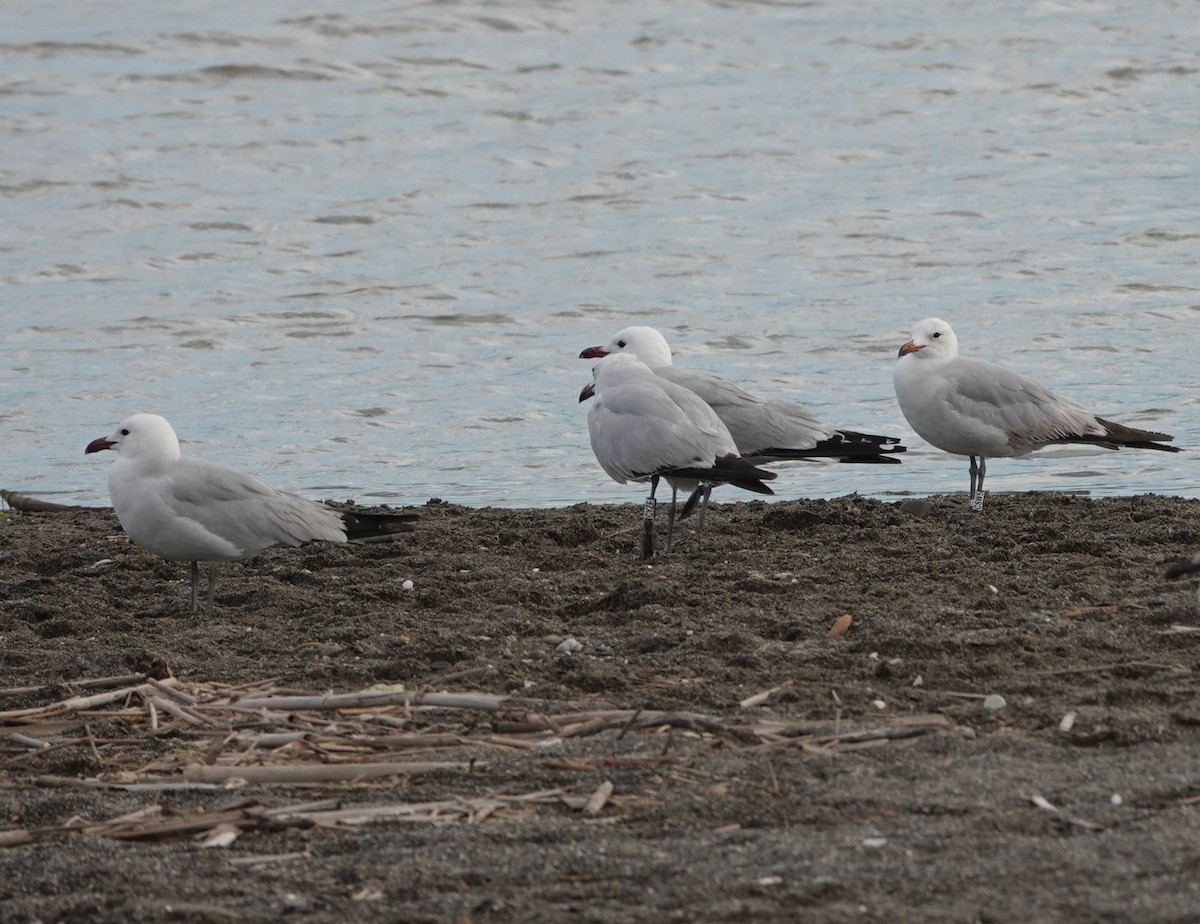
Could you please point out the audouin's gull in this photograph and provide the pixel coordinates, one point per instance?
(644, 428)
(185, 509)
(764, 430)
(971, 407)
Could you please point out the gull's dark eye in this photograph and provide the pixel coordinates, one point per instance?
(936, 334)
(621, 344)
(124, 433)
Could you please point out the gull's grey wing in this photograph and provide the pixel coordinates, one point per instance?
(637, 431)
(1028, 414)
(244, 511)
(755, 423)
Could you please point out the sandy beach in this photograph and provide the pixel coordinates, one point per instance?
(536, 725)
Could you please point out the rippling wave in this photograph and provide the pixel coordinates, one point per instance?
(359, 250)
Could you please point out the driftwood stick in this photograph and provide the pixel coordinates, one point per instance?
(70, 782)
(169, 689)
(21, 691)
(98, 683)
(117, 680)
(15, 838)
(597, 800)
(26, 741)
(82, 703)
(886, 733)
(583, 729)
(317, 773)
(390, 720)
(541, 795)
(180, 712)
(222, 835)
(272, 739)
(504, 741)
(91, 740)
(1046, 806)
(357, 740)
(448, 810)
(45, 728)
(488, 702)
(759, 698)
(571, 718)
(321, 805)
(75, 703)
(482, 814)
(530, 723)
(170, 825)
(576, 723)
(26, 504)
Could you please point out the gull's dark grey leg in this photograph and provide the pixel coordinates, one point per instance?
(649, 540)
(706, 488)
(978, 470)
(690, 504)
(212, 585)
(671, 519)
(194, 571)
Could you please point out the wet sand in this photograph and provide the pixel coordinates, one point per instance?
(762, 768)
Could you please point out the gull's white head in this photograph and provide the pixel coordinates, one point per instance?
(645, 343)
(931, 339)
(614, 369)
(145, 437)
(619, 367)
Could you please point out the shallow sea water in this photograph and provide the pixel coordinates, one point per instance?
(357, 249)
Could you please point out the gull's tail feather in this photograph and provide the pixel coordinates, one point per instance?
(364, 527)
(730, 469)
(846, 446)
(1118, 435)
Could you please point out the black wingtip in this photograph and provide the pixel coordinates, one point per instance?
(735, 470)
(375, 525)
(846, 446)
(1132, 438)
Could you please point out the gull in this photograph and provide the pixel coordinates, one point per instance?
(1186, 566)
(644, 428)
(186, 509)
(971, 407)
(764, 430)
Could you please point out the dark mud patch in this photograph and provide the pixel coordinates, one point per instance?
(1055, 603)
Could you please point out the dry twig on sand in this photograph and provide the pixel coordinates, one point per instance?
(256, 735)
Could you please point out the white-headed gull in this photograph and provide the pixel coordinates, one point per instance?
(644, 428)
(1184, 567)
(764, 430)
(185, 509)
(975, 408)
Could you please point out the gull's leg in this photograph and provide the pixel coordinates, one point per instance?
(648, 537)
(671, 519)
(978, 470)
(212, 585)
(690, 504)
(194, 571)
(706, 488)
